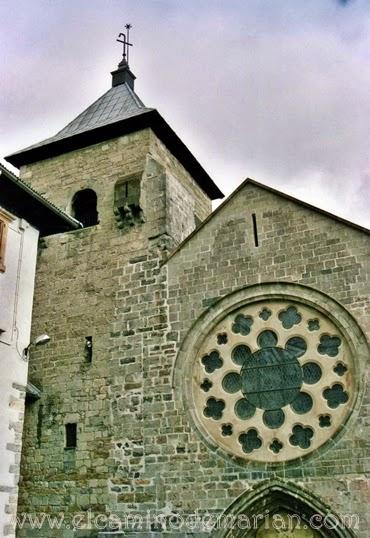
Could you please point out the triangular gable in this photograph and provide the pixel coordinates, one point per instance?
(276, 192)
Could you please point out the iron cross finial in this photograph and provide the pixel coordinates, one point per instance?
(125, 42)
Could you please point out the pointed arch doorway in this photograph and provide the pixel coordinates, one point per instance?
(276, 509)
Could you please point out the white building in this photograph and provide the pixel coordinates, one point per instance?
(24, 217)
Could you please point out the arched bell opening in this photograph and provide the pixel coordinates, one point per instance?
(84, 207)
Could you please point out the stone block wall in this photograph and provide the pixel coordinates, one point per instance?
(295, 245)
(106, 283)
(186, 203)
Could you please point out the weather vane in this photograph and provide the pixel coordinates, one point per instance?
(125, 42)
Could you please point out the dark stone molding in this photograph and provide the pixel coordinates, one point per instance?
(275, 495)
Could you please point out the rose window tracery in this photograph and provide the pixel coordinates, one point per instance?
(273, 381)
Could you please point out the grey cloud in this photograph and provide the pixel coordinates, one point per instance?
(278, 91)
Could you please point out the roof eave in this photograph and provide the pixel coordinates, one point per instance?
(150, 119)
(77, 141)
(32, 392)
(49, 219)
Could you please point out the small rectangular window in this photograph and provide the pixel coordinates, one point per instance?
(71, 435)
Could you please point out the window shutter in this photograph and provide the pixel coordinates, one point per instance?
(3, 227)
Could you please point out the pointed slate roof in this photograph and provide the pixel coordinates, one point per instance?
(117, 104)
(118, 112)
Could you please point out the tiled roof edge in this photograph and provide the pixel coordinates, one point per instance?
(27, 188)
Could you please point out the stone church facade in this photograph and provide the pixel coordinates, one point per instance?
(201, 364)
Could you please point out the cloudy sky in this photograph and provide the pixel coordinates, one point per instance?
(277, 90)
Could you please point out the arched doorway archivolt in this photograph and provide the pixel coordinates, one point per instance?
(281, 510)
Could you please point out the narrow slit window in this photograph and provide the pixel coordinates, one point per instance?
(255, 230)
(71, 435)
(88, 348)
(39, 425)
(197, 220)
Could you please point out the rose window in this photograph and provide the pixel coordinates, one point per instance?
(273, 381)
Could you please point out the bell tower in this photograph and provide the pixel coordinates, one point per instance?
(101, 295)
(119, 140)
